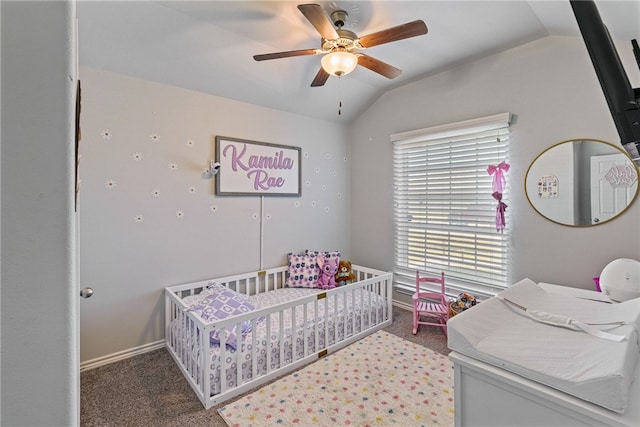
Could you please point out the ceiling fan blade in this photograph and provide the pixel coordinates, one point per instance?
(320, 79)
(317, 17)
(286, 54)
(400, 32)
(378, 66)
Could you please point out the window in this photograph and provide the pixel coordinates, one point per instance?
(444, 211)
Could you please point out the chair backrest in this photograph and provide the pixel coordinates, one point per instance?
(426, 279)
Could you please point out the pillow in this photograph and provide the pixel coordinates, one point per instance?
(219, 303)
(211, 288)
(303, 271)
(326, 254)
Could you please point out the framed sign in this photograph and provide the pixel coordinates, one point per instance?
(251, 168)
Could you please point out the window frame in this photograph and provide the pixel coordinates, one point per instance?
(472, 131)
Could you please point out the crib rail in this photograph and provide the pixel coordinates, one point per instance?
(248, 283)
(258, 359)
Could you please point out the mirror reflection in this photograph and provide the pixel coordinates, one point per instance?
(581, 182)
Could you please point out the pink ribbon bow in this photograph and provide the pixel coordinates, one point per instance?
(499, 181)
(500, 223)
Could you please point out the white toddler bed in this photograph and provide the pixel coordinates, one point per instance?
(283, 329)
(511, 369)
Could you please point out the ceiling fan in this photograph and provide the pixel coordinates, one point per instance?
(341, 47)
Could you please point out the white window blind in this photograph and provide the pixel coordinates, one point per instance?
(444, 212)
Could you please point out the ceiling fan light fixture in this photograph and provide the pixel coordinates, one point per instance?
(339, 63)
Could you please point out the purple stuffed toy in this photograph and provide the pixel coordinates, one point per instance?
(328, 269)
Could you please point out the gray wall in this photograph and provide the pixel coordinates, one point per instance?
(133, 243)
(40, 380)
(551, 89)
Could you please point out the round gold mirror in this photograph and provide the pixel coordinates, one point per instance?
(581, 182)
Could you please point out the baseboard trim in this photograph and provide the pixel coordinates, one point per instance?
(121, 355)
(402, 305)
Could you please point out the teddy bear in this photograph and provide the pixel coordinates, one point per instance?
(344, 276)
(328, 269)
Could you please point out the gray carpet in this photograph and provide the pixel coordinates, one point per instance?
(149, 390)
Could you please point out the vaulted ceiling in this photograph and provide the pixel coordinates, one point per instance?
(208, 46)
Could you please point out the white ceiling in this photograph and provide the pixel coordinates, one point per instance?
(208, 46)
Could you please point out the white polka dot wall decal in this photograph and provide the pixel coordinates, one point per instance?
(296, 203)
(267, 216)
(156, 193)
(106, 134)
(324, 188)
(179, 214)
(173, 166)
(190, 143)
(317, 170)
(138, 219)
(334, 173)
(213, 209)
(313, 203)
(255, 216)
(327, 208)
(339, 195)
(192, 190)
(306, 155)
(346, 159)
(154, 137)
(137, 156)
(308, 183)
(110, 184)
(327, 156)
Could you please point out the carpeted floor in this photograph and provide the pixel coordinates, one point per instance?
(149, 390)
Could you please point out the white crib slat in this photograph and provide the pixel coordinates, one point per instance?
(283, 337)
(190, 345)
(254, 351)
(222, 362)
(240, 350)
(316, 330)
(299, 345)
(269, 344)
(305, 332)
(238, 353)
(362, 312)
(353, 307)
(369, 295)
(190, 351)
(326, 316)
(346, 316)
(336, 313)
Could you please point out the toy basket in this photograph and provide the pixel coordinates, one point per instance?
(454, 309)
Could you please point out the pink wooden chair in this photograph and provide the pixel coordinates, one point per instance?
(430, 308)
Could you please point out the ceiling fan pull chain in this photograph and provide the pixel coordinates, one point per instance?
(339, 96)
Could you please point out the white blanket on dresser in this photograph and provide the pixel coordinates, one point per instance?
(591, 368)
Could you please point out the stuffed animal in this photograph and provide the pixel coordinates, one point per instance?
(328, 269)
(465, 301)
(344, 276)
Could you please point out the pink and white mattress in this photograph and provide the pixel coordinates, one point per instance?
(342, 317)
(589, 367)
